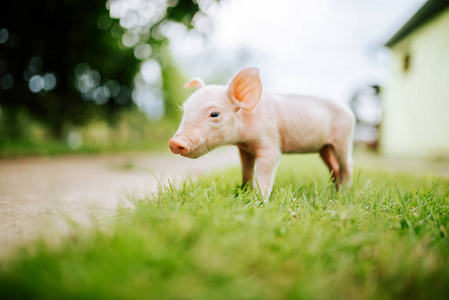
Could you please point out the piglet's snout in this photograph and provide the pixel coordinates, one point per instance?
(178, 146)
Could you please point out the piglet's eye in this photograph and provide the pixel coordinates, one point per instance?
(214, 114)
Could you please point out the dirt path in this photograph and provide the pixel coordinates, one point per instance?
(39, 195)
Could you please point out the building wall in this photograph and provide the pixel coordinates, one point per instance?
(416, 100)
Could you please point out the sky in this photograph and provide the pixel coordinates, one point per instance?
(328, 48)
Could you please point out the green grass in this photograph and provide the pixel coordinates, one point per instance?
(384, 238)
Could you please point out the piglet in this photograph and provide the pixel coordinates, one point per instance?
(263, 125)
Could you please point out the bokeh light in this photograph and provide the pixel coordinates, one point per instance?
(36, 64)
(88, 82)
(151, 72)
(104, 22)
(35, 84)
(142, 51)
(4, 34)
(137, 17)
(147, 93)
(140, 21)
(130, 38)
(6, 82)
(101, 94)
(86, 78)
(49, 81)
(39, 83)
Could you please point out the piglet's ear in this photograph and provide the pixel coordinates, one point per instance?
(246, 89)
(198, 82)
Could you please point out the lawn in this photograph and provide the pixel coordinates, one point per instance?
(386, 237)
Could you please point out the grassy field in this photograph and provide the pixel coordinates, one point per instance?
(384, 238)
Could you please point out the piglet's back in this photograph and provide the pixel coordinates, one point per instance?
(305, 123)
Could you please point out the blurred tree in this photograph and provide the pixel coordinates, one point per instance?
(64, 62)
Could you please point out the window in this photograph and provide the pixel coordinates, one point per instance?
(406, 62)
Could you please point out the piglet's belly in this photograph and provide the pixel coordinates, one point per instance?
(303, 127)
(301, 147)
(306, 140)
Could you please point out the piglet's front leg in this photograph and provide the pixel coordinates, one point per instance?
(267, 160)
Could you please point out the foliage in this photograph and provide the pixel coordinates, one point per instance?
(384, 238)
(132, 131)
(54, 47)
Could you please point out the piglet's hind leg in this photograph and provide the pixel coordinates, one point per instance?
(344, 157)
(328, 156)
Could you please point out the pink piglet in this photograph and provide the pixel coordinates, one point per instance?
(263, 125)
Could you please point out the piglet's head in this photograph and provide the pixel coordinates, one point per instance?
(210, 114)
